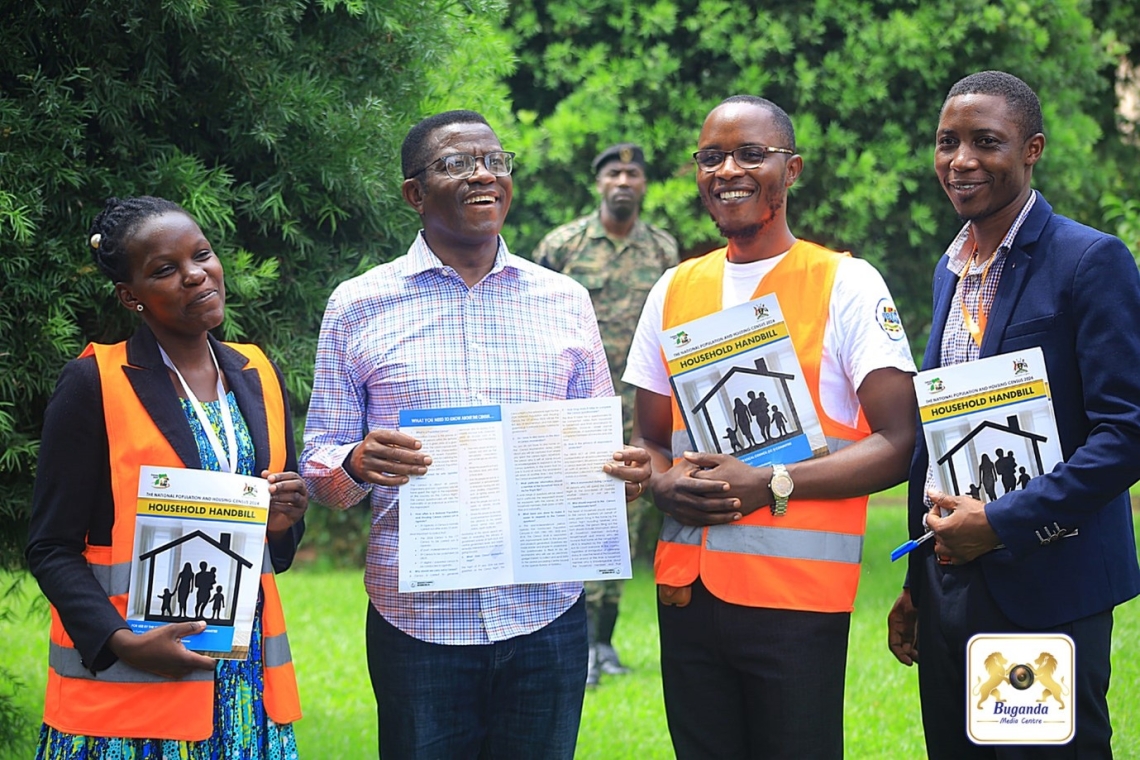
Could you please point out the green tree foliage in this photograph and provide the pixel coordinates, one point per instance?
(863, 83)
(277, 124)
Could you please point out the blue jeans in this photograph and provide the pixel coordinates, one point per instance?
(520, 698)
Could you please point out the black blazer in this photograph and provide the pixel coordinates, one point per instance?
(72, 502)
(1075, 292)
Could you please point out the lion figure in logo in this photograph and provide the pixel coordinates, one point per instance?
(1055, 687)
(997, 669)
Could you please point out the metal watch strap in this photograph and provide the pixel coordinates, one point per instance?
(779, 503)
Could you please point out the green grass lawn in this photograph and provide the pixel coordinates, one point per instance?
(624, 717)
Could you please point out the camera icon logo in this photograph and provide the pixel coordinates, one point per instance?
(1020, 688)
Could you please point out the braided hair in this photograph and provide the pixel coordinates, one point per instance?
(116, 224)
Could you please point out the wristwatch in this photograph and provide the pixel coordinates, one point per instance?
(781, 486)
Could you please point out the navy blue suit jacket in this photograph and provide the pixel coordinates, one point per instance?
(1075, 292)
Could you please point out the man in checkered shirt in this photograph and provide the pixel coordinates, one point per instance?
(457, 321)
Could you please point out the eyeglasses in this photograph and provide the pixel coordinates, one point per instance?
(462, 165)
(746, 157)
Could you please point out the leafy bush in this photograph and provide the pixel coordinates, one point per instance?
(277, 124)
(863, 83)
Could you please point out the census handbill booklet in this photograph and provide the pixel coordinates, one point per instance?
(740, 388)
(989, 424)
(199, 543)
(515, 494)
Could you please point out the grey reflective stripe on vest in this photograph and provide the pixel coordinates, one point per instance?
(786, 543)
(115, 579)
(275, 651)
(681, 443)
(676, 533)
(67, 663)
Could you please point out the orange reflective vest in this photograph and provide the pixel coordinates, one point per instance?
(807, 559)
(122, 701)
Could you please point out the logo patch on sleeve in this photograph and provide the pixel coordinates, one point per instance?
(889, 320)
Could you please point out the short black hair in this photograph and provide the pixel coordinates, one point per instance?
(414, 157)
(1022, 100)
(783, 121)
(116, 224)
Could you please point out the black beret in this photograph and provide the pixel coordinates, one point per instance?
(624, 152)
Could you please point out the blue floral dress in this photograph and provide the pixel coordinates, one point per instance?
(242, 730)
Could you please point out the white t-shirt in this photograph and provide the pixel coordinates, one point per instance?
(862, 333)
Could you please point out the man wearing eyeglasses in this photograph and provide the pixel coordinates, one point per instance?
(457, 321)
(756, 583)
(617, 257)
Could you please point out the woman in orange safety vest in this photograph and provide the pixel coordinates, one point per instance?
(169, 396)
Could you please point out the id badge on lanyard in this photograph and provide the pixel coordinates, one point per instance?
(226, 463)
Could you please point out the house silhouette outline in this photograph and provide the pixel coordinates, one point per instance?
(222, 544)
(761, 370)
(1012, 427)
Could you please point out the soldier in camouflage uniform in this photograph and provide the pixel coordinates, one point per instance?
(618, 258)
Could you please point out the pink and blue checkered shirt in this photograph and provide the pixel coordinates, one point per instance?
(410, 334)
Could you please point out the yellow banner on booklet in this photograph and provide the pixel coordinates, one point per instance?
(202, 511)
(980, 402)
(735, 345)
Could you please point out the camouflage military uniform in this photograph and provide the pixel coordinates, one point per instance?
(619, 275)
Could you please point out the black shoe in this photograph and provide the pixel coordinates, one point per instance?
(608, 661)
(593, 674)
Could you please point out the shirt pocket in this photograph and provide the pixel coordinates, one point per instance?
(593, 280)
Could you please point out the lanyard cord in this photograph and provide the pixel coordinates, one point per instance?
(976, 327)
(230, 463)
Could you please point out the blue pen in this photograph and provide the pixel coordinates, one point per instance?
(910, 546)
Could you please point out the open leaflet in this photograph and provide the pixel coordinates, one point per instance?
(515, 494)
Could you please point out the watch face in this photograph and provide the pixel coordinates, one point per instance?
(781, 485)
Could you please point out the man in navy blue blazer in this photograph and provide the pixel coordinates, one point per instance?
(1059, 554)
